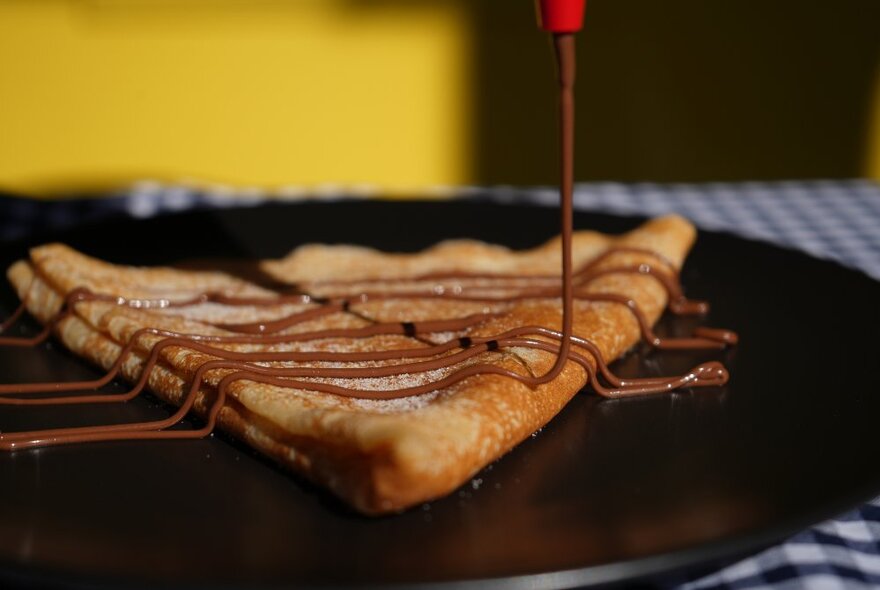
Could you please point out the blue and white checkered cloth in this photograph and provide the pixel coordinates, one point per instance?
(837, 220)
(843, 553)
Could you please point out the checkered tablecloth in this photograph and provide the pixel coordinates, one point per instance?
(837, 220)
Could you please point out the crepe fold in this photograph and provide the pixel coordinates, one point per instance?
(378, 456)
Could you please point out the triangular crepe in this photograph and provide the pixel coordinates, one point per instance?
(379, 456)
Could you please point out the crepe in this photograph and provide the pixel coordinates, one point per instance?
(379, 456)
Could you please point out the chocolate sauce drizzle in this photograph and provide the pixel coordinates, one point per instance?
(429, 356)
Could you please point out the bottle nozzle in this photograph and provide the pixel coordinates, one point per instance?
(561, 16)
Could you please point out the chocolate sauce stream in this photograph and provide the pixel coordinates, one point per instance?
(563, 44)
(5, 324)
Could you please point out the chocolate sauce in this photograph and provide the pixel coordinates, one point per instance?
(429, 356)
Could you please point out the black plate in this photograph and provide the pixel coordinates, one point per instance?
(609, 490)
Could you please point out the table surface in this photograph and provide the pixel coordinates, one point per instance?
(837, 220)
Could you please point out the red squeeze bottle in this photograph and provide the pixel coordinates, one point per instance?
(561, 16)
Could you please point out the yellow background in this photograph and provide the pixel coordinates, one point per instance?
(404, 94)
(268, 92)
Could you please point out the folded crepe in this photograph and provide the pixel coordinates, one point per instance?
(377, 455)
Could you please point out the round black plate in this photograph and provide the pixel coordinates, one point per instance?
(609, 490)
